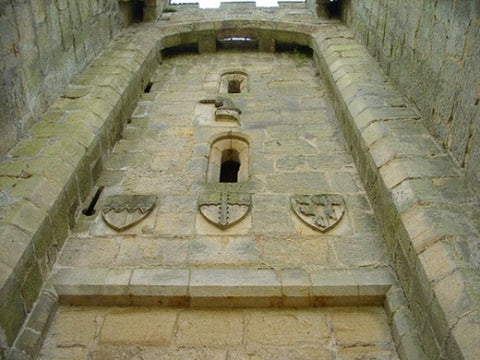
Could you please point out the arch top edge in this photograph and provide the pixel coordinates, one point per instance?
(211, 34)
(227, 25)
(230, 135)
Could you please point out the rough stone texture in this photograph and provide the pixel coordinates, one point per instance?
(45, 44)
(168, 152)
(430, 50)
(414, 210)
(47, 177)
(138, 327)
(164, 150)
(153, 333)
(157, 154)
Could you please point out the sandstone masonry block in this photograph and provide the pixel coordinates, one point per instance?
(138, 326)
(159, 282)
(398, 170)
(346, 322)
(209, 328)
(464, 333)
(75, 327)
(225, 283)
(456, 294)
(270, 327)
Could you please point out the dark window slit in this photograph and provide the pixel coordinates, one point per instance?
(229, 171)
(148, 87)
(91, 208)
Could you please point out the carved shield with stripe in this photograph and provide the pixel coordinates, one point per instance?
(224, 209)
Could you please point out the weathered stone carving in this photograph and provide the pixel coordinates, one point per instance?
(321, 212)
(224, 209)
(121, 212)
(222, 103)
(226, 109)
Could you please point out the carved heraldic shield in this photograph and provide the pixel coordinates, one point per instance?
(224, 209)
(321, 212)
(121, 212)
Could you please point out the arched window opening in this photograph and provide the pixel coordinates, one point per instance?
(233, 82)
(229, 161)
(230, 166)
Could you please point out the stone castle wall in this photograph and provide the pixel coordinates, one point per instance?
(44, 44)
(430, 50)
(289, 142)
(414, 188)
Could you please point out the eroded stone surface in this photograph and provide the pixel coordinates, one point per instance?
(158, 155)
(161, 153)
(138, 164)
(219, 334)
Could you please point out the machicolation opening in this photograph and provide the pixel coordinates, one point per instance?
(237, 42)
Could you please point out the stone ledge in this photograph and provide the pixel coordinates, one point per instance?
(222, 284)
(396, 175)
(174, 288)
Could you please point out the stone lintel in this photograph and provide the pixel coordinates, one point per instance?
(224, 286)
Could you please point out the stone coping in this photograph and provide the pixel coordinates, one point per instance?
(47, 177)
(418, 195)
(193, 285)
(417, 191)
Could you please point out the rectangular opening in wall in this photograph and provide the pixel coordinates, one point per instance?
(138, 10)
(237, 42)
(334, 9)
(331, 9)
(148, 88)
(180, 50)
(233, 82)
(301, 50)
(238, 3)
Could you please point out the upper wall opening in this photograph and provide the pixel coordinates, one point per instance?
(205, 4)
(219, 35)
(233, 82)
(229, 159)
(237, 42)
(300, 50)
(331, 9)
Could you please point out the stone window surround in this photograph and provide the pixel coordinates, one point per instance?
(239, 76)
(224, 142)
